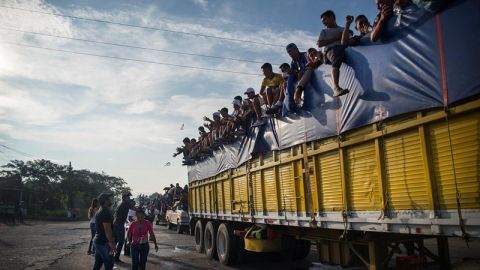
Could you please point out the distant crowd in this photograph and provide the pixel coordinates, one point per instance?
(283, 93)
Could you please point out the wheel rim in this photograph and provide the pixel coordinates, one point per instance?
(221, 245)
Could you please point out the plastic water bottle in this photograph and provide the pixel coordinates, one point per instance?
(398, 12)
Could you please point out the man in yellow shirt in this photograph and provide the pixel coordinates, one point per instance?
(270, 89)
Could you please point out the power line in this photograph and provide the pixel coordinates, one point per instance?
(128, 59)
(145, 27)
(133, 46)
(17, 151)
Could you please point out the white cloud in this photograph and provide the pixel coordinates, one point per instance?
(203, 4)
(140, 107)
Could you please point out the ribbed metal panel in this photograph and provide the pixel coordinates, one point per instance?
(313, 184)
(405, 172)
(287, 187)
(270, 190)
(226, 194)
(362, 177)
(240, 191)
(329, 181)
(465, 140)
(219, 195)
(257, 191)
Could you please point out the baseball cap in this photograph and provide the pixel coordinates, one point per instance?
(250, 90)
(237, 102)
(291, 46)
(217, 114)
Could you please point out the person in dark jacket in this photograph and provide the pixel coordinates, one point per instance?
(120, 217)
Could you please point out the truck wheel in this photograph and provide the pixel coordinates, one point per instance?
(301, 250)
(179, 227)
(199, 246)
(229, 247)
(209, 237)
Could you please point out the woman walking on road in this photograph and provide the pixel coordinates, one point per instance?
(138, 237)
(91, 215)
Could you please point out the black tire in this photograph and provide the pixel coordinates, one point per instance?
(301, 250)
(199, 245)
(179, 227)
(229, 247)
(210, 240)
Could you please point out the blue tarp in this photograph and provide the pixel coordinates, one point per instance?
(427, 61)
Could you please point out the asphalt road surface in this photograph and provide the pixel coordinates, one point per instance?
(63, 245)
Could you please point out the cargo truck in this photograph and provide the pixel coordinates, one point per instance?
(391, 164)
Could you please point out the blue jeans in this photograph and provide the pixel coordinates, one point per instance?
(139, 254)
(102, 256)
(288, 103)
(119, 234)
(93, 231)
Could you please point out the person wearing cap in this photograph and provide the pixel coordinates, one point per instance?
(330, 40)
(120, 217)
(298, 66)
(270, 88)
(138, 235)
(255, 104)
(236, 119)
(104, 240)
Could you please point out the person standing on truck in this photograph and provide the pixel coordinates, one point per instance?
(104, 241)
(330, 40)
(119, 223)
(137, 235)
(92, 211)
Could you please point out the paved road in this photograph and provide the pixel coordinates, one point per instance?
(63, 245)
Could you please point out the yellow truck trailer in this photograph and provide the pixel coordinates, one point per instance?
(406, 179)
(394, 162)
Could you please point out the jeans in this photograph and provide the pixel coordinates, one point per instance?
(93, 231)
(139, 254)
(119, 233)
(288, 104)
(102, 255)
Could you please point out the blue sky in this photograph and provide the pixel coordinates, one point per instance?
(124, 118)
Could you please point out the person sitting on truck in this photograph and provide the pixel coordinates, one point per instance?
(255, 104)
(315, 59)
(330, 40)
(386, 8)
(270, 88)
(237, 120)
(214, 126)
(227, 124)
(361, 24)
(285, 69)
(297, 68)
(185, 149)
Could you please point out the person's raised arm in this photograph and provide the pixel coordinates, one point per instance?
(107, 227)
(346, 31)
(384, 15)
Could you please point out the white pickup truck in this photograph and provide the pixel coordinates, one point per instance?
(178, 216)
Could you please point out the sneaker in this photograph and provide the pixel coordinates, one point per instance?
(339, 92)
(259, 122)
